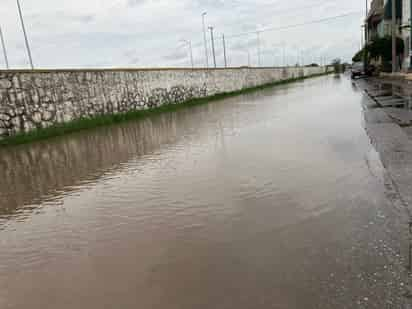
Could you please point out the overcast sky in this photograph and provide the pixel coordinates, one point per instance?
(148, 33)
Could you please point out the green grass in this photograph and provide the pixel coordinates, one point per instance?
(104, 120)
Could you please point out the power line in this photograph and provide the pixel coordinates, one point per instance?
(326, 19)
(295, 25)
(300, 8)
(294, 9)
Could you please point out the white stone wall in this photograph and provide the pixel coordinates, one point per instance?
(39, 99)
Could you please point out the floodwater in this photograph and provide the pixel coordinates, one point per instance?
(274, 199)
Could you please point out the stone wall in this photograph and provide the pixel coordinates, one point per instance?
(39, 99)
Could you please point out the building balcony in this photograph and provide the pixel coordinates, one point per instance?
(376, 10)
(388, 9)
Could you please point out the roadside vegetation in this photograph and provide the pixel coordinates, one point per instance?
(380, 52)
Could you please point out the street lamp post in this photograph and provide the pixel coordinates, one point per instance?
(25, 35)
(189, 43)
(362, 36)
(258, 42)
(213, 45)
(365, 53)
(410, 35)
(205, 39)
(394, 62)
(298, 56)
(6, 60)
(224, 49)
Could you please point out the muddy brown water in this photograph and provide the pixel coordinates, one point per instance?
(274, 199)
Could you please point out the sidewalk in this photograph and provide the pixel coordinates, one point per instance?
(403, 80)
(390, 130)
(397, 76)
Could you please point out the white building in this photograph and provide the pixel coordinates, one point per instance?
(405, 32)
(376, 24)
(379, 23)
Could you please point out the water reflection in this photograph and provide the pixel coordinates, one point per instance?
(242, 203)
(40, 172)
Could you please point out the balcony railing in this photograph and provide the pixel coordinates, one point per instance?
(377, 8)
(376, 4)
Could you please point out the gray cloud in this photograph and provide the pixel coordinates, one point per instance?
(134, 3)
(84, 18)
(179, 54)
(132, 56)
(115, 33)
(61, 16)
(134, 60)
(244, 44)
(213, 3)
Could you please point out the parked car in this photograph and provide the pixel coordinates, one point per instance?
(358, 70)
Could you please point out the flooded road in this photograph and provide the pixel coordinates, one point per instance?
(274, 199)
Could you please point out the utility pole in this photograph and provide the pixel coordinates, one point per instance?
(362, 37)
(394, 62)
(224, 49)
(189, 43)
(284, 55)
(6, 60)
(365, 53)
(25, 35)
(205, 39)
(248, 58)
(213, 45)
(191, 55)
(297, 56)
(258, 42)
(410, 36)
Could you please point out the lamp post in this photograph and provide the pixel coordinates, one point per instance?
(302, 58)
(213, 45)
(298, 56)
(410, 35)
(275, 56)
(394, 67)
(258, 42)
(25, 35)
(365, 53)
(6, 60)
(205, 39)
(224, 49)
(189, 43)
